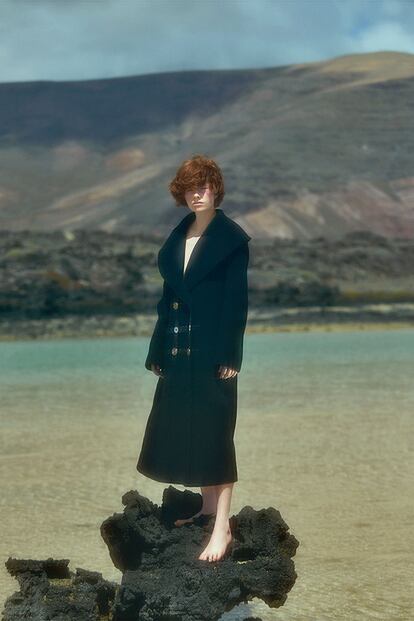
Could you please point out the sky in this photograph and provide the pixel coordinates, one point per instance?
(93, 39)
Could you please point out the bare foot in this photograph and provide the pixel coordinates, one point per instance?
(217, 545)
(182, 521)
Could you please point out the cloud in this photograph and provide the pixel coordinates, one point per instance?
(86, 39)
(385, 36)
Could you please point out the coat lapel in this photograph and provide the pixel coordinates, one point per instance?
(221, 236)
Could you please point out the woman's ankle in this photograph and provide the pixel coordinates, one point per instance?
(222, 522)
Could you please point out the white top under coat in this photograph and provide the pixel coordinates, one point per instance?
(189, 247)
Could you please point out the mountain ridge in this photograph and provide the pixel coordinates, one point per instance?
(321, 148)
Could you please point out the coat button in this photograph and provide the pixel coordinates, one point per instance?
(188, 351)
(175, 305)
(176, 329)
(174, 351)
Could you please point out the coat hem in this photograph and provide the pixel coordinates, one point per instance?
(164, 479)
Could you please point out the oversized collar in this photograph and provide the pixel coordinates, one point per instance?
(221, 236)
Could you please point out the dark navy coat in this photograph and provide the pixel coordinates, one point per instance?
(201, 321)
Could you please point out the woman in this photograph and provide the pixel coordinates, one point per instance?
(196, 349)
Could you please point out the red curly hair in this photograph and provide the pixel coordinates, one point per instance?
(193, 173)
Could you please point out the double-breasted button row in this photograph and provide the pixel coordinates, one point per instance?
(177, 326)
(177, 329)
(174, 351)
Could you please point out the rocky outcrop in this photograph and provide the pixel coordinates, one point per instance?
(162, 576)
(48, 590)
(100, 284)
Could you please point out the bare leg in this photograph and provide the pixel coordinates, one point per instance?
(221, 535)
(209, 505)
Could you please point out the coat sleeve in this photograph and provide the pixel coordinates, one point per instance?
(234, 310)
(156, 347)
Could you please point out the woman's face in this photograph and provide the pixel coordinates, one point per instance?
(200, 198)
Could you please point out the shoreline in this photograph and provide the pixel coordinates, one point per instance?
(141, 326)
(334, 326)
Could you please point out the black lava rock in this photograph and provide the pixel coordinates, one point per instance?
(48, 590)
(163, 578)
(162, 575)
